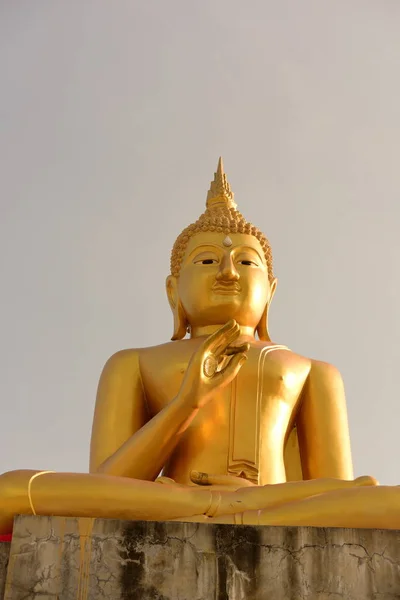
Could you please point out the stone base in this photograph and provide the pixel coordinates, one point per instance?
(67, 558)
(4, 554)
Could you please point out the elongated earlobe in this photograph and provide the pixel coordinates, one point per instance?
(180, 321)
(262, 327)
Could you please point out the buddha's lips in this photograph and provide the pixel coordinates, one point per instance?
(231, 288)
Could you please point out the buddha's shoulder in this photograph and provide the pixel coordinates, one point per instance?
(135, 355)
(133, 358)
(280, 350)
(317, 368)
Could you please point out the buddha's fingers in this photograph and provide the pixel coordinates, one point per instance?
(220, 340)
(223, 481)
(227, 341)
(167, 481)
(199, 477)
(231, 350)
(230, 481)
(228, 373)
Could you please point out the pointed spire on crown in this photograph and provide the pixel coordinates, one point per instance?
(220, 193)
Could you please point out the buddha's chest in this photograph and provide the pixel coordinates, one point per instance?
(242, 429)
(268, 387)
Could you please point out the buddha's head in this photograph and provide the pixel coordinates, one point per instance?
(221, 269)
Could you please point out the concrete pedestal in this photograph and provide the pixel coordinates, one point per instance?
(4, 554)
(66, 558)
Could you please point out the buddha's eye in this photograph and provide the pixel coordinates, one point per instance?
(248, 263)
(206, 261)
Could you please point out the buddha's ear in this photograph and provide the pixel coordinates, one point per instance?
(180, 323)
(262, 327)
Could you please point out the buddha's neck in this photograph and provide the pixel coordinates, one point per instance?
(206, 330)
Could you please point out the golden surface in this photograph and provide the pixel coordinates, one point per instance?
(228, 418)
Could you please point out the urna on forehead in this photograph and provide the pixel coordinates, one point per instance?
(227, 242)
(222, 219)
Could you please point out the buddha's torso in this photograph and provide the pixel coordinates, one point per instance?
(243, 429)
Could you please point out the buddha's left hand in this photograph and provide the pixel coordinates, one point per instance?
(223, 481)
(207, 480)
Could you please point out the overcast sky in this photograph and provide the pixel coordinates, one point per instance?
(112, 118)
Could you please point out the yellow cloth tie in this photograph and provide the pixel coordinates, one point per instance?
(30, 485)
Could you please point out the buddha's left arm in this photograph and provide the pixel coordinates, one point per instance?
(322, 425)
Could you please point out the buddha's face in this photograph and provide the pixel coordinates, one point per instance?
(223, 277)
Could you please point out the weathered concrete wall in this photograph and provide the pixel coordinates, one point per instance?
(67, 559)
(4, 553)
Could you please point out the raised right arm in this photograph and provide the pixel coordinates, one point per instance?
(124, 441)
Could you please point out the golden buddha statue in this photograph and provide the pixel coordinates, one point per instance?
(221, 426)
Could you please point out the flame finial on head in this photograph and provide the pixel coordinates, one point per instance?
(220, 192)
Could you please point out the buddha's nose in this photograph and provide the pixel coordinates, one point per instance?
(227, 271)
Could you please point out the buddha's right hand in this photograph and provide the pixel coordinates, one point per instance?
(213, 366)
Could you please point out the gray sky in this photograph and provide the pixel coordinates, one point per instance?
(112, 118)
